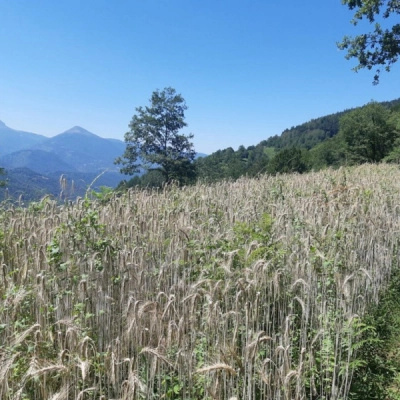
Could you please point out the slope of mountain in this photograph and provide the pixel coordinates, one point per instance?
(311, 133)
(84, 150)
(34, 163)
(39, 161)
(12, 140)
(26, 185)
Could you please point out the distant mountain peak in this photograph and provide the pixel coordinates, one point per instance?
(78, 130)
(2, 125)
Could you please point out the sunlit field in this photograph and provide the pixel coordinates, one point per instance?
(253, 289)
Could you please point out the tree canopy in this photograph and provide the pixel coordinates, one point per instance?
(368, 132)
(154, 141)
(379, 48)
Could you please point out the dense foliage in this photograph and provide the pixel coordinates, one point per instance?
(307, 135)
(264, 288)
(368, 133)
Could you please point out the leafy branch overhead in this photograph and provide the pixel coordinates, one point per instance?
(154, 141)
(379, 48)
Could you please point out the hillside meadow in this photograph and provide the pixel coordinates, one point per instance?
(264, 288)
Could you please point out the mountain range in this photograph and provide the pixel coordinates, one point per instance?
(34, 163)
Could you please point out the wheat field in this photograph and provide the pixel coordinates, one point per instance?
(250, 289)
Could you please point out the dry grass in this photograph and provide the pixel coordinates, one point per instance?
(182, 293)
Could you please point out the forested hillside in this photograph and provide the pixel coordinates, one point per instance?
(309, 146)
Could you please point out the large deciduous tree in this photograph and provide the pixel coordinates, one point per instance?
(154, 141)
(368, 133)
(379, 48)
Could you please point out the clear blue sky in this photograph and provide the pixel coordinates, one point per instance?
(247, 69)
